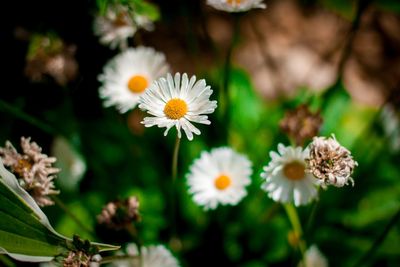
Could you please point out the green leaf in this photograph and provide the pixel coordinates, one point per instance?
(25, 232)
(146, 9)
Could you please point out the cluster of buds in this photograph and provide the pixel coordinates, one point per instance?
(81, 254)
(120, 213)
(34, 170)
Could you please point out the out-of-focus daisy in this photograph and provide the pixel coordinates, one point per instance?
(34, 170)
(118, 24)
(330, 162)
(69, 161)
(219, 177)
(236, 5)
(178, 101)
(127, 76)
(151, 256)
(314, 258)
(286, 179)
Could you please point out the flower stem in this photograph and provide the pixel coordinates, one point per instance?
(378, 241)
(175, 159)
(296, 225)
(224, 92)
(4, 106)
(64, 207)
(173, 195)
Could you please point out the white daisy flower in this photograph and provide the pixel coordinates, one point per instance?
(236, 5)
(286, 179)
(115, 27)
(314, 258)
(178, 102)
(151, 256)
(219, 177)
(126, 76)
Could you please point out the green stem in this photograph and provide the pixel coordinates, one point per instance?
(296, 225)
(4, 106)
(117, 258)
(173, 193)
(224, 92)
(64, 207)
(175, 159)
(378, 241)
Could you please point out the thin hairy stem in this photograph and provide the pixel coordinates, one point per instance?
(224, 92)
(296, 225)
(175, 158)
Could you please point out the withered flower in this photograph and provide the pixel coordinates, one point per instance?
(81, 254)
(49, 55)
(119, 214)
(330, 162)
(301, 124)
(33, 169)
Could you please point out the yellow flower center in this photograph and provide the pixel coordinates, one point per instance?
(222, 182)
(137, 84)
(22, 166)
(234, 2)
(175, 109)
(294, 170)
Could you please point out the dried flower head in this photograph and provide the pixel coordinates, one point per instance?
(81, 253)
(77, 259)
(330, 162)
(33, 169)
(120, 213)
(301, 124)
(49, 55)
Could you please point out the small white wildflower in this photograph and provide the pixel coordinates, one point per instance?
(286, 179)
